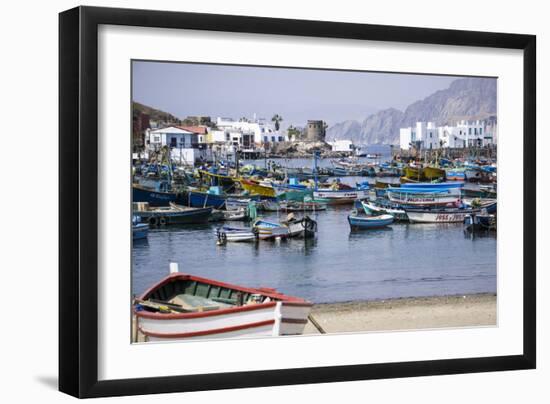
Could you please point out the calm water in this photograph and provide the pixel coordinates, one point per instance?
(339, 265)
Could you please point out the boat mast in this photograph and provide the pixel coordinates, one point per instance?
(315, 155)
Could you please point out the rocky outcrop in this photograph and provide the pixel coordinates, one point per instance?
(300, 148)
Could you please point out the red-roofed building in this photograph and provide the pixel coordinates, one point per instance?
(200, 130)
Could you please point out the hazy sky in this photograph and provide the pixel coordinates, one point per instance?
(297, 94)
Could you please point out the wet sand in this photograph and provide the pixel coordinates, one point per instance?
(405, 314)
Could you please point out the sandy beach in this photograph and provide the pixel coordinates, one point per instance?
(405, 314)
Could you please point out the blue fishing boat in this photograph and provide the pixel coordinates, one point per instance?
(357, 222)
(173, 214)
(152, 197)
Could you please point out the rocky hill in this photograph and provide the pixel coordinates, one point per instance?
(470, 98)
(154, 114)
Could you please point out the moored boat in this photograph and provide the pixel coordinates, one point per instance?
(438, 215)
(151, 196)
(173, 214)
(139, 230)
(423, 196)
(255, 188)
(270, 230)
(187, 307)
(235, 234)
(380, 208)
(357, 222)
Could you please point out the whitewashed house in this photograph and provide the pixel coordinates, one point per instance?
(425, 134)
(342, 145)
(184, 145)
(261, 131)
(464, 134)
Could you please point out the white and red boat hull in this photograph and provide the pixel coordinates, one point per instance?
(278, 315)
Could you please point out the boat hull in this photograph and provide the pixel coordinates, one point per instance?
(140, 231)
(153, 198)
(438, 216)
(369, 222)
(160, 217)
(277, 315)
(342, 197)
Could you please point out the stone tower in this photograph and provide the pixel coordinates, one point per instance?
(315, 131)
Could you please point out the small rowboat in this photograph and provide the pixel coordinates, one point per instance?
(139, 230)
(396, 211)
(270, 230)
(235, 234)
(369, 222)
(187, 307)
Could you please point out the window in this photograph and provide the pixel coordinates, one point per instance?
(266, 139)
(280, 138)
(273, 139)
(469, 131)
(481, 131)
(475, 131)
(173, 142)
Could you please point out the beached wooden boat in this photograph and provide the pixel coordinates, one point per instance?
(173, 214)
(357, 222)
(187, 307)
(439, 215)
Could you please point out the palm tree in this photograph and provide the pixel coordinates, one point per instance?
(277, 119)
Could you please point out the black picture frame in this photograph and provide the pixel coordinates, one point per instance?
(78, 203)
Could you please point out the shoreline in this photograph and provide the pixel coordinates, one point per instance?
(407, 313)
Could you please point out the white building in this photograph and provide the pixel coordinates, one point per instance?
(261, 131)
(464, 134)
(425, 134)
(341, 145)
(184, 145)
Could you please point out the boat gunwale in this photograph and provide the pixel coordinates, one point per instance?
(285, 299)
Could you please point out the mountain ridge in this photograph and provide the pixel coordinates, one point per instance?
(468, 98)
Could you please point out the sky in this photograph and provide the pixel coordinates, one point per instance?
(297, 95)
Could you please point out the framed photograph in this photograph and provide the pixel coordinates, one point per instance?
(251, 202)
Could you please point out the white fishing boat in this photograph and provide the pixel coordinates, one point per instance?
(235, 234)
(438, 215)
(420, 198)
(187, 307)
(340, 196)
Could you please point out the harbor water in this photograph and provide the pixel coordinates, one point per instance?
(404, 260)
